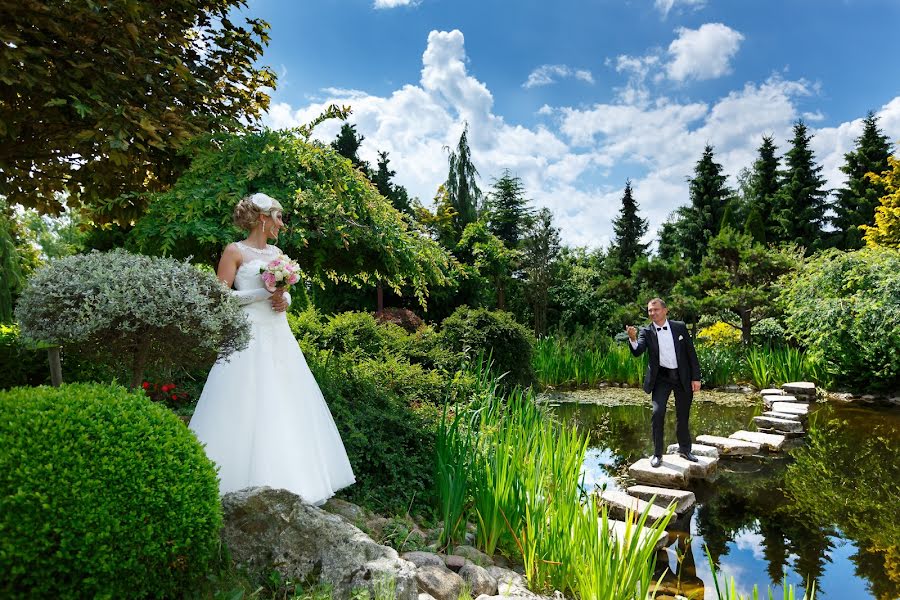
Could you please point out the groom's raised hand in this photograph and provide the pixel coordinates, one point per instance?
(632, 332)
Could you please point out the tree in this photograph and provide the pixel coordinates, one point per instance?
(507, 207)
(540, 250)
(383, 180)
(886, 230)
(738, 277)
(800, 203)
(629, 228)
(462, 189)
(488, 259)
(764, 185)
(96, 99)
(669, 244)
(340, 228)
(702, 219)
(755, 227)
(347, 144)
(855, 203)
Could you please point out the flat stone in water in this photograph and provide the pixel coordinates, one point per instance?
(704, 468)
(684, 500)
(768, 401)
(730, 446)
(766, 440)
(697, 449)
(784, 425)
(794, 408)
(800, 388)
(619, 503)
(771, 392)
(774, 414)
(666, 475)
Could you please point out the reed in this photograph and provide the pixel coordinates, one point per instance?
(559, 362)
(774, 366)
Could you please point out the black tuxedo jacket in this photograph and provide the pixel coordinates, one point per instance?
(685, 354)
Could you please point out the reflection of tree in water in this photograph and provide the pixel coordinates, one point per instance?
(847, 477)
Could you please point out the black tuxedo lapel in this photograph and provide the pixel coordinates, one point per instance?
(675, 341)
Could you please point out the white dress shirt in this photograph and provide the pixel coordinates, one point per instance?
(667, 357)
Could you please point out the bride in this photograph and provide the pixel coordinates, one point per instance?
(261, 415)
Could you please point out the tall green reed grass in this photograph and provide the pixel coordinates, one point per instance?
(559, 363)
(777, 365)
(525, 494)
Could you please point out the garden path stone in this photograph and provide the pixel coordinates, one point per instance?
(619, 503)
(800, 388)
(781, 415)
(440, 582)
(697, 449)
(791, 408)
(771, 392)
(479, 580)
(782, 425)
(272, 529)
(684, 500)
(474, 554)
(729, 446)
(421, 559)
(704, 468)
(665, 475)
(769, 441)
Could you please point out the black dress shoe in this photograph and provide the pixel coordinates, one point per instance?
(687, 455)
(655, 461)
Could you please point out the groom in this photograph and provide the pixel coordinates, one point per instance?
(673, 367)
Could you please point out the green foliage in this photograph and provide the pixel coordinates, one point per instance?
(769, 332)
(347, 144)
(488, 262)
(475, 331)
(11, 279)
(886, 230)
(755, 227)
(777, 365)
(130, 310)
(21, 365)
(729, 591)
(800, 204)
(560, 362)
(719, 334)
(540, 250)
(102, 494)
(507, 211)
(383, 180)
(462, 189)
(121, 86)
(700, 221)
(842, 307)
(629, 229)
(763, 187)
(340, 228)
(720, 365)
(855, 203)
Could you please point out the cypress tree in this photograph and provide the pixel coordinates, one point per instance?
(800, 204)
(629, 228)
(755, 227)
(856, 202)
(508, 212)
(701, 220)
(462, 188)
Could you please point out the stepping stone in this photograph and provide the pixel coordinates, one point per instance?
(768, 401)
(789, 435)
(617, 528)
(683, 499)
(704, 468)
(665, 475)
(782, 425)
(619, 503)
(771, 392)
(697, 449)
(800, 388)
(793, 408)
(769, 441)
(773, 414)
(729, 446)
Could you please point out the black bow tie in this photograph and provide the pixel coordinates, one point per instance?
(663, 327)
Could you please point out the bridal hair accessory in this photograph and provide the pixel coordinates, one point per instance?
(264, 202)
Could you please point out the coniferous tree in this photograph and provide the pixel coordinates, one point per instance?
(383, 180)
(669, 244)
(755, 227)
(463, 190)
(800, 203)
(540, 250)
(347, 144)
(764, 184)
(856, 202)
(702, 219)
(629, 228)
(509, 214)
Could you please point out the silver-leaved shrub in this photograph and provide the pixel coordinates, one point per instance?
(133, 311)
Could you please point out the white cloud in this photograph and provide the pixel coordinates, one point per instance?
(394, 3)
(574, 160)
(664, 6)
(547, 74)
(703, 53)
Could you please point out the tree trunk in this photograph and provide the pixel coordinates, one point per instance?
(55, 366)
(137, 368)
(745, 326)
(379, 303)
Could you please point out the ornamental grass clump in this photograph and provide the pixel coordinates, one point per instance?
(132, 311)
(103, 494)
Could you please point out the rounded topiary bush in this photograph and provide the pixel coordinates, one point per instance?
(130, 310)
(102, 494)
(476, 331)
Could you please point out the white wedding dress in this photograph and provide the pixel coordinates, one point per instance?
(261, 415)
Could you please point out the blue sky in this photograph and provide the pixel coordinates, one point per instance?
(575, 97)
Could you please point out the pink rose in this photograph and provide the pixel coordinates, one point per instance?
(294, 278)
(269, 281)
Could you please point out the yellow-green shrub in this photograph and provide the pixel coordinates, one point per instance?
(719, 334)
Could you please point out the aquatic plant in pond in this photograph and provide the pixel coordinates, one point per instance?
(774, 366)
(559, 363)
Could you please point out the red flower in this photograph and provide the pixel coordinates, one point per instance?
(174, 397)
(146, 385)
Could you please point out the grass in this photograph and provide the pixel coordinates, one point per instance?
(559, 363)
(774, 366)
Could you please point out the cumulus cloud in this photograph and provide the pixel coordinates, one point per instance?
(665, 6)
(703, 53)
(547, 74)
(394, 3)
(574, 160)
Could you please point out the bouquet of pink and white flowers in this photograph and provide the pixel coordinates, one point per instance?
(281, 272)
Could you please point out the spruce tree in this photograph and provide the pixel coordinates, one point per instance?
(669, 245)
(701, 220)
(755, 227)
(508, 212)
(629, 228)
(383, 180)
(856, 202)
(465, 196)
(800, 204)
(764, 184)
(347, 144)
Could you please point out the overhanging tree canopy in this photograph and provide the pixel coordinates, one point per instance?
(97, 97)
(340, 228)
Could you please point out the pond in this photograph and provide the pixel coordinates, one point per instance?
(828, 511)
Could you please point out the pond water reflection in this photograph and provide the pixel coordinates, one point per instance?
(829, 511)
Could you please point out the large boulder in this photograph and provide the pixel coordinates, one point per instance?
(267, 529)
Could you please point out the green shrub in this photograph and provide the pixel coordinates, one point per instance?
(474, 331)
(21, 365)
(102, 494)
(843, 307)
(769, 332)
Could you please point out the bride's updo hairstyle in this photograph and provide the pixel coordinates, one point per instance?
(248, 210)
